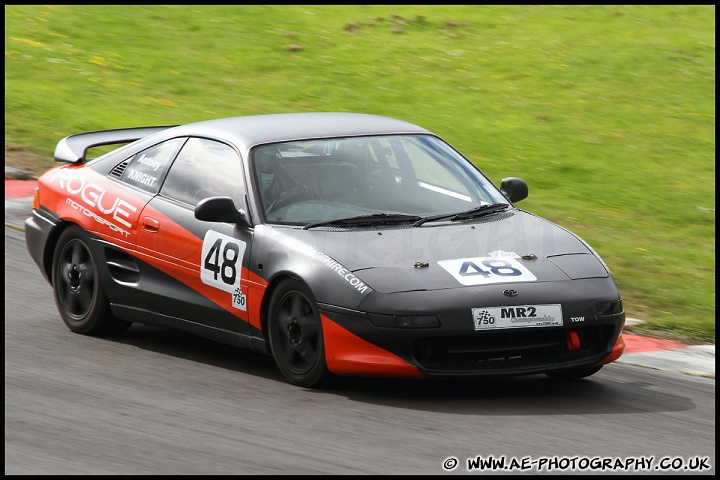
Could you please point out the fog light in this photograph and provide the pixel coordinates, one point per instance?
(608, 308)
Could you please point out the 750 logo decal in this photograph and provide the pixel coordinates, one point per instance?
(221, 265)
(486, 270)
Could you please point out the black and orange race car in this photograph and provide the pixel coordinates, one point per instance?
(339, 243)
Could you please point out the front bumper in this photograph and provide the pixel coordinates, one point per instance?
(356, 346)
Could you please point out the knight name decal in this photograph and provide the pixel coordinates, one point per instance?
(144, 178)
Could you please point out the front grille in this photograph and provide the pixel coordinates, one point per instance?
(508, 350)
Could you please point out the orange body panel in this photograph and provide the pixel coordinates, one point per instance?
(617, 351)
(112, 212)
(98, 205)
(348, 354)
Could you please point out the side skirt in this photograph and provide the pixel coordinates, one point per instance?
(147, 317)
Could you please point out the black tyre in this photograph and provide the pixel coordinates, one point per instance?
(78, 293)
(575, 373)
(296, 336)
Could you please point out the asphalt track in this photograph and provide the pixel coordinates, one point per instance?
(159, 401)
(641, 351)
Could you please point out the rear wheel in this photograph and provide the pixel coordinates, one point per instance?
(78, 293)
(575, 373)
(296, 336)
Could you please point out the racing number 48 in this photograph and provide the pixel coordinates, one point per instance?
(221, 261)
(225, 264)
(221, 265)
(487, 270)
(496, 266)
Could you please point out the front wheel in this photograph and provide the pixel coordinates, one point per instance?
(78, 293)
(575, 373)
(296, 336)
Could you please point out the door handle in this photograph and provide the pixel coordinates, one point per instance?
(149, 224)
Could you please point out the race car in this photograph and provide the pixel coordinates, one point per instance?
(341, 244)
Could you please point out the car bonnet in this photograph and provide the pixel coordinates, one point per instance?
(450, 255)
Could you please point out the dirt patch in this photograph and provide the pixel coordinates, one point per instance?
(27, 160)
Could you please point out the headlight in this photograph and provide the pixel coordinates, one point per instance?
(608, 308)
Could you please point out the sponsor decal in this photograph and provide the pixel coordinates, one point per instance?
(347, 275)
(502, 253)
(487, 270)
(328, 261)
(94, 201)
(515, 316)
(221, 265)
(96, 217)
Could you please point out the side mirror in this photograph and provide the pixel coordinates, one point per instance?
(514, 189)
(220, 209)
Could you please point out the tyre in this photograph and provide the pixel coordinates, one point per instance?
(295, 334)
(575, 373)
(76, 284)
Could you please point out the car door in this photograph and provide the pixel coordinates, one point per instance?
(201, 275)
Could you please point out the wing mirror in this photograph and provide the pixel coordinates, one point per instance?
(220, 209)
(514, 189)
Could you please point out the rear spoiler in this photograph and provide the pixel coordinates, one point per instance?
(73, 149)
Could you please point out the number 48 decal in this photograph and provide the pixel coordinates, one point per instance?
(221, 265)
(485, 270)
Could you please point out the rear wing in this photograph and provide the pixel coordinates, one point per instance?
(73, 149)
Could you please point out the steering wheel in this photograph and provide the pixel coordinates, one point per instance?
(297, 194)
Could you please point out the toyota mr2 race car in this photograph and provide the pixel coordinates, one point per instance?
(339, 243)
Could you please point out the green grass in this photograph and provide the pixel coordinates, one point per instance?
(608, 112)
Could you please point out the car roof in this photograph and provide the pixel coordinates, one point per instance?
(249, 131)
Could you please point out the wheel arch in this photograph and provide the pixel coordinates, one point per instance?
(276, 280)
(51, 245)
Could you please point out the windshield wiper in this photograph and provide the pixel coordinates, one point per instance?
(374, 219)
(480, 211)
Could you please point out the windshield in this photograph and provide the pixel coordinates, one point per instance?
(329, 179)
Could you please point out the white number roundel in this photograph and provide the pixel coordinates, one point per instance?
(221, 261)
(487, 270)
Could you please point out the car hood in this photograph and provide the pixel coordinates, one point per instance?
(520, 246)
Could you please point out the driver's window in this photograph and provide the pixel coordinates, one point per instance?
(205, 168)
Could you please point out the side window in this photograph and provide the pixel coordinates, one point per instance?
(145, 169)
(205, 168)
